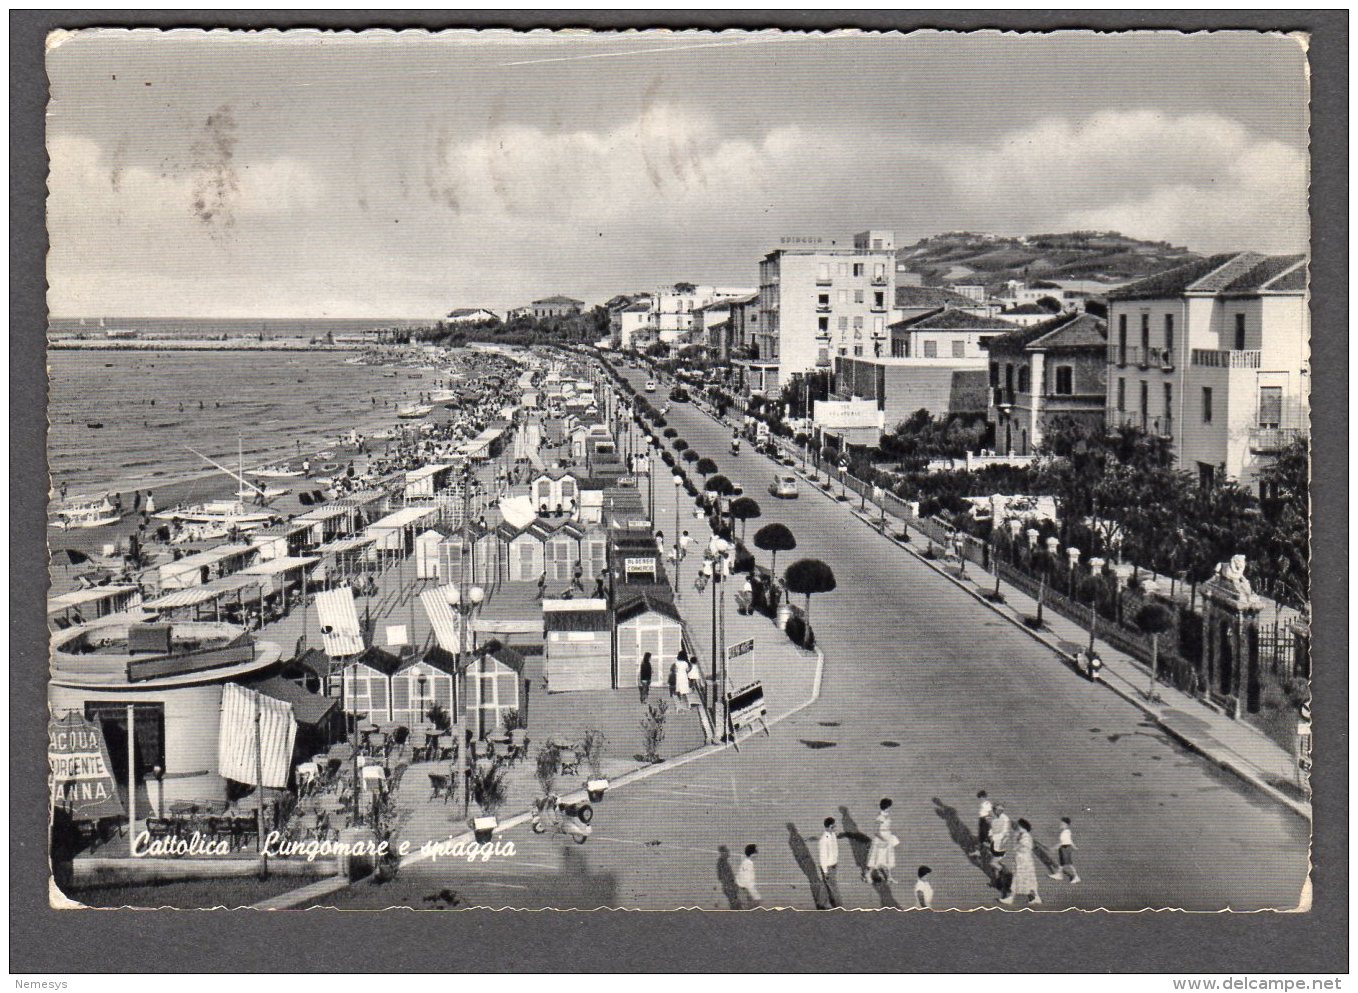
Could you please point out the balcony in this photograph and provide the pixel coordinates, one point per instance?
(878, 280)
(824, 281)
(1162, 426)
(1097, 400)
(1213, 358)
(1001, 396)
(822, 308)
(1272, 439)
(878, 308)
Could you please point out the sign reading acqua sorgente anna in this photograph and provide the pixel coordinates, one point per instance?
(81, 772)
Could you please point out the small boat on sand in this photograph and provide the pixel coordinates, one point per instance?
(280, 471)
(85, 514)
(414, 413)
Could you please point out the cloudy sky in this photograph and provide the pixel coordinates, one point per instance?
(400, 175)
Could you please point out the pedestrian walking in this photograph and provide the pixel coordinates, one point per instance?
(542, 586)
(695, 681)
(682, 689)
(644, 677)
(660, 542)
(704, 574)
(673, 679)
(999, 836)
(924, 890)
(1025, 868)
(983, 818)
(685, 540)
(150, 502)
(63, 489)
(882, 851)
(599, 592)
(578, 579)
(827, 857)
(747, 888)
(1065, 854)
(1095, 667)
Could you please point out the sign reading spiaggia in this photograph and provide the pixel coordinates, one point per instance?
(82, 774)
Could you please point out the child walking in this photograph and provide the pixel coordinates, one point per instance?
(1065, 854)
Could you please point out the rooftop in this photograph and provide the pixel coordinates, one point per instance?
(952, 319)
(1071, 330)
(1229, 273)
(931, 296)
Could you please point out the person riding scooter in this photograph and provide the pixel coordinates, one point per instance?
(570, 819)
(735, 444)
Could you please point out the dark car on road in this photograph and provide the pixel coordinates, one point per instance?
(679, 395)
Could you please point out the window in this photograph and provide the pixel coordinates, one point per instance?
(930, 349)
(858, 323)
(1169, 334)
(823, 272)
(857, 296)
(843, 296)
(1122, 339)
(994, 374)
(1024, 379)
(843, 324)
(1009, 377)
(1270, 406)
(1207, 405)
(878, 327)
(823, 300)
(823, 325)
(877, 244)
(844, 268)
(1239, 332)
(858, 268)
(879, 300)
(1122, 394)
(1063, 380)
(1145, 401)
(1206, 475)
(1145, 335)
(1169, 400)
(878, 270)
(858, 349)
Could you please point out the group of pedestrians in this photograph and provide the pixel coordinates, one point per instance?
(997, 834)
(684, 676)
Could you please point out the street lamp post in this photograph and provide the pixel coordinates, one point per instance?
(678, 550)
(720, 569)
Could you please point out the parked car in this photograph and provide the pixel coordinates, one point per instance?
(650, 386)
(784, 486)
(679, 395)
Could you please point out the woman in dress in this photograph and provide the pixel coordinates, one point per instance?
(681, 685)
(882, 853)
(1025, 870)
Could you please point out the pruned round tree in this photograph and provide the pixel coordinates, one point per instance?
(719, 485)
(691, 456)
(775, 538)
(744, 509)
(671, 433)
(808, 577)
(680, 444)
(706, 467)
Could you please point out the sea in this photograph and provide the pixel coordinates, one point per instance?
(155, 405)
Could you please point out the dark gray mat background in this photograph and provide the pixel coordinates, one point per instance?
(327, 941)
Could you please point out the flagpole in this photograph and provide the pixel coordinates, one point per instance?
(131, 774)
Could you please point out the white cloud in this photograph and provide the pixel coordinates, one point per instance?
(1201, 180)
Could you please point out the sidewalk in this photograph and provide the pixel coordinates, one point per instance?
(1231, 744)
(786, 671)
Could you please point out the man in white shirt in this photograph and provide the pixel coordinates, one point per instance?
(828, 859)
(685, 540)
(983, 816)
(747, 889)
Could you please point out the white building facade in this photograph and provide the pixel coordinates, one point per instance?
(1215, 356)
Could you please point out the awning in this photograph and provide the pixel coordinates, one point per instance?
(193, 596)
(342, 545)
(77, 598)
(256, 737)
(446, 622)
(340, 630)
(323, 514)
(274, 567)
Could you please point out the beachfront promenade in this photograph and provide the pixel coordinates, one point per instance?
(926, 697)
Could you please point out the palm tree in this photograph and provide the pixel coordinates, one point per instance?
(775, 538)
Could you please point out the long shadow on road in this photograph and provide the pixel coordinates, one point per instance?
(807, 864)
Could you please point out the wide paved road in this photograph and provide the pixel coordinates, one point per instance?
(927, 698)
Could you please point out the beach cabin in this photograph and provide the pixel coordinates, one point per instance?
(424, 482)
(281, 540)
(395, 533)
(646, 623)
(310, 670)
(561, 550)
(578, 637)
(524, 554)
(422, 683)
(624, 507)
(482, 543)
(427, 555)
(367, 683)
(326, 524)
(494, 683)
(553, 490)
(278, 578)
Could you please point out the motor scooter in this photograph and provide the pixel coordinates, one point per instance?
(570, 819)
(735, 446)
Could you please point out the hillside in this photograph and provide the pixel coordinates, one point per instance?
(961, 256)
